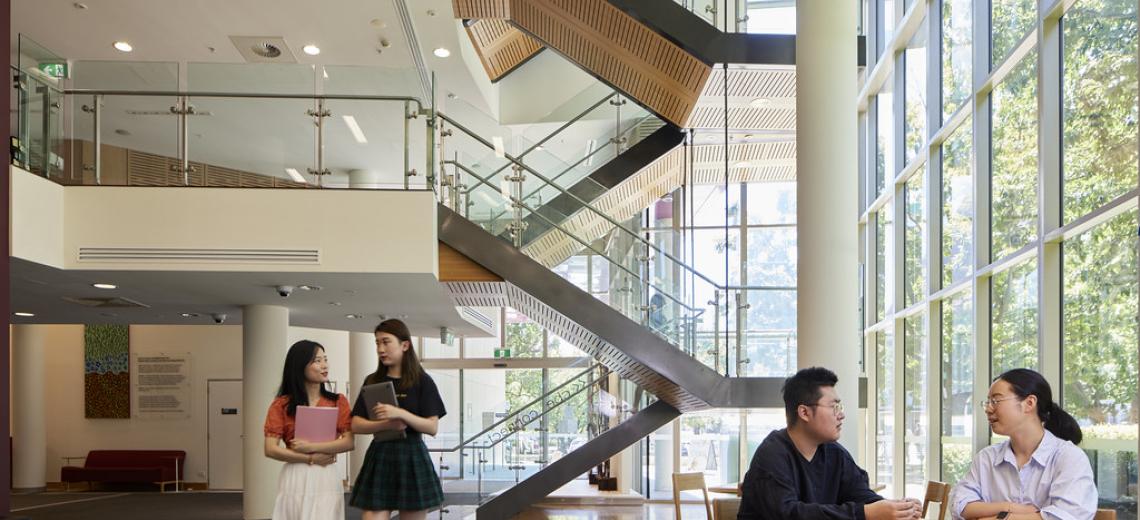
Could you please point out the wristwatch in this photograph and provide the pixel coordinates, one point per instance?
(1002, 515)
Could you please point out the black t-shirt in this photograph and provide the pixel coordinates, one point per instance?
(422, 400)
(781, 484)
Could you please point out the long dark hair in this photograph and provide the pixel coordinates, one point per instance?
(1025, 383)
(410, 369)
(293, 375)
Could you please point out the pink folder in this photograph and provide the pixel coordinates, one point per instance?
(316, 423)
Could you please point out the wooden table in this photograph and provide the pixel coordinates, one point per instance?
(726, 489)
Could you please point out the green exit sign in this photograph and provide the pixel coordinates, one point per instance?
(502, 353)
(56, 70)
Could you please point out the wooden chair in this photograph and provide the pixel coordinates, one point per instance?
(686, 482)
(939, 493)
(1105, 514)
(726, 508)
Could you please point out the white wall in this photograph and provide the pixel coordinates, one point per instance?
(215, 354)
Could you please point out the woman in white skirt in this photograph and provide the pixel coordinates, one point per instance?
(310, 487)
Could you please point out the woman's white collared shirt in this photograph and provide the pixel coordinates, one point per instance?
(1057, 479)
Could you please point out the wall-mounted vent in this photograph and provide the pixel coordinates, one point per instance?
(106, 303)
(263, 49)
(156, 255)
(477, 318)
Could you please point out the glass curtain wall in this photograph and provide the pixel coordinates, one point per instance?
(1001, 227)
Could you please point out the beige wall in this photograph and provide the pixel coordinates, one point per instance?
(215, 354)
(355, 231)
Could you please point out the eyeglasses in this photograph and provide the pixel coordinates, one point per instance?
(990, 403)
(837, 406)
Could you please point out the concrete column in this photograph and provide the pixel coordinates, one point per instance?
(361, 362)
(827, 191)
(265, 330)
(29, 439)
(364, 179)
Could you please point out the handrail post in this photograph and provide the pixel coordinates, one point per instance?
(182, 109)
(96, 101)
(407, 145)
(319, 113)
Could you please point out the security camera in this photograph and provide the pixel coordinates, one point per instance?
(284, 290)
(219, 318)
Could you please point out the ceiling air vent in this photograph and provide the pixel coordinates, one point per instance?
(105, 303)
(263, 49)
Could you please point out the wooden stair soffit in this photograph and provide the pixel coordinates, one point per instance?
(501, 46)
(610, 44)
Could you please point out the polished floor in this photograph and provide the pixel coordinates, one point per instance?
(227, 506)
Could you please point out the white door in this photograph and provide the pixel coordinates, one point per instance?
(224, 441)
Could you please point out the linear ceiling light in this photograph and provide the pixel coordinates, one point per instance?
(296, 175)
(357, 133)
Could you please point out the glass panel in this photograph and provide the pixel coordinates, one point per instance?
(1100, 366)
(889, 17)
(1014, 329)
(884, 267)
(475, 348)
(124, 75)
(885, 404)
(1014, 184)
(957, 386)
(915, 94)
(561, 348)
(524, 338)
(957, 205)
(771, 203)
(364, 144)
(432, 348)
(914, 241)
(771, 256)
(449, 435)
(660, 463)
(770, 334)
(710, 444)
(711, 207)
(148, 140)
(1011, 20)
(915, 414)
(1100, 107)
(574, 270)
(768, 17)
(885, 147)
(957, 54)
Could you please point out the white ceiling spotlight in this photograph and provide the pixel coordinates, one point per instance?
(24, 314)
(353, 127)
(123, 46)
(107, 286)
(441, 52)
(311, 50)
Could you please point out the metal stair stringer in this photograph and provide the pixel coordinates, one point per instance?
(621, 344)
(515, 499)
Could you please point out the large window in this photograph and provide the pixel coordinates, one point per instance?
(1100, 368)
(1014, 176)
(1029, 198)
(957, 55)
(1100, 113)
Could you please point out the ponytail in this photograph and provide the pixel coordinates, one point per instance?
(1060, 423)
(1025, 383)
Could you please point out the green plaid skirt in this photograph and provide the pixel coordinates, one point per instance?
(397, 476)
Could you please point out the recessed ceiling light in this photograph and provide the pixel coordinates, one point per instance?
(296, 175)
(79, 5)
(761, 103)
(353, 316)
(24, 314)
(743, 164)
(353, 127)
(104, 286)
(335, 304)
(123, 46)
(309, 287)
(189, 315)
(441, 52)
(311, 50)
(378, 23)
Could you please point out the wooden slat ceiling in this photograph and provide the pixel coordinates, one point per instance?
(501, 46)
(758, 99)
(612, 45)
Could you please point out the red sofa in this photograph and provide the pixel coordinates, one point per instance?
(127, 466)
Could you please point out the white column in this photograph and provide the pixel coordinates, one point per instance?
(29, 438)
(827, 191)
(265, 330)
(364, 179)
(361, 362)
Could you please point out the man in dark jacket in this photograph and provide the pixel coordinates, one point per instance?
(802, 473)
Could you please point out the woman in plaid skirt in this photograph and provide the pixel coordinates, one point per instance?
(397, 475)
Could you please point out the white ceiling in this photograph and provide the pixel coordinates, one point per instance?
(419, 299)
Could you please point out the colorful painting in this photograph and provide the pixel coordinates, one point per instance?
(106, 371)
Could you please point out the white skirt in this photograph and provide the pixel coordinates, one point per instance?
(307, 492)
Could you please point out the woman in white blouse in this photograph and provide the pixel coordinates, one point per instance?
(1039, 472)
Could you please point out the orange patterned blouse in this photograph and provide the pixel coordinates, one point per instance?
(279, 424)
